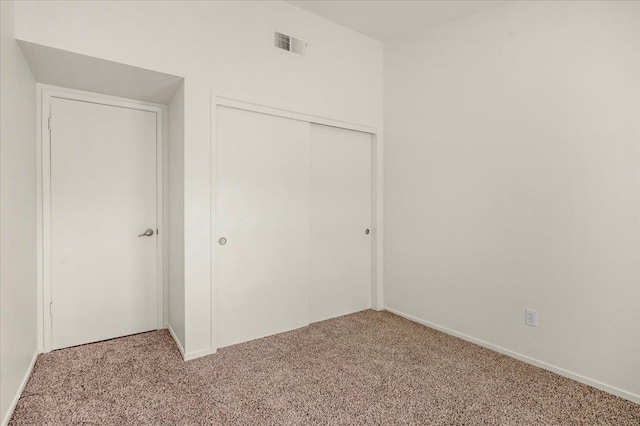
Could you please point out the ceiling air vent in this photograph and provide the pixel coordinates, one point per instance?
(288, 43)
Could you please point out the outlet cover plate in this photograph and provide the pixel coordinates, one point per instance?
(531, 317)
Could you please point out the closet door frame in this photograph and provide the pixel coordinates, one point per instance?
(377, 153)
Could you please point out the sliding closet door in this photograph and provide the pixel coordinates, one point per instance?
(340, 275)
(261, 225)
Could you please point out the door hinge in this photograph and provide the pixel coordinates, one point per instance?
(51, 308)
(49, 123)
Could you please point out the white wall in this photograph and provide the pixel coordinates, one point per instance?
(176, 215)
(224, 46)
(512, 180)
(18, 330)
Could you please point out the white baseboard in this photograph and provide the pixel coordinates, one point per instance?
(520, 357)
(16, 398)
(175, 339)
(191, 355)
(197, 354)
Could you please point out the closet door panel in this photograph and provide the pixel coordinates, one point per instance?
(340, 266)
(261, 225)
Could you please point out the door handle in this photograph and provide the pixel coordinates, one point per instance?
(147, 233)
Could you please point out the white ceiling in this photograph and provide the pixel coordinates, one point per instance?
(386, 20)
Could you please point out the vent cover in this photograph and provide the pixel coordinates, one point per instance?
(288, 43)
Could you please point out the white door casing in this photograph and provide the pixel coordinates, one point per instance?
(101, 189)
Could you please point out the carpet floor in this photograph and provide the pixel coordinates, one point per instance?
(369, 368)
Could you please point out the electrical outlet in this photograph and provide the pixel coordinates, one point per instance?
(531, 317)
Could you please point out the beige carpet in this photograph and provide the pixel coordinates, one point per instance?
(370, 368)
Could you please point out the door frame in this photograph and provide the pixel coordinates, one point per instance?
(377, 208)
(45, 94)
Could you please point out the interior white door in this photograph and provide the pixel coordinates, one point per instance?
(340, 267)
(104, 281)
(262, 218)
